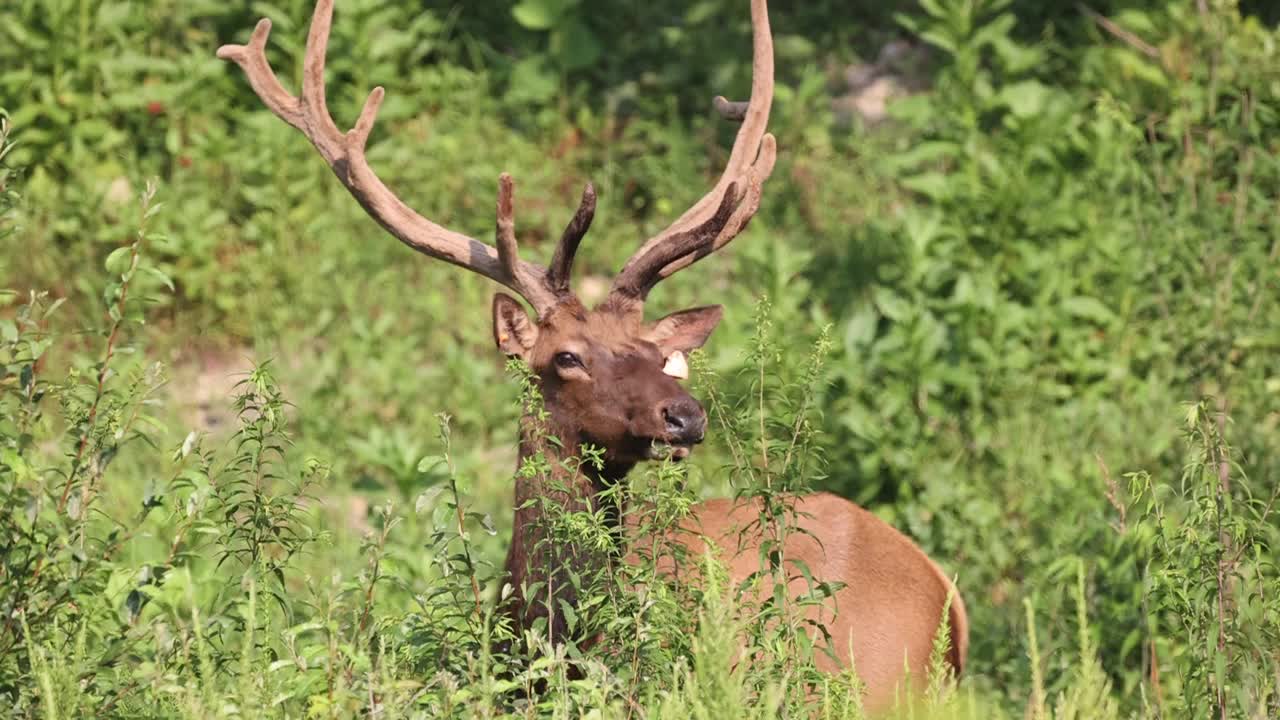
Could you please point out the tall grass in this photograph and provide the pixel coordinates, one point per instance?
(1030, 321)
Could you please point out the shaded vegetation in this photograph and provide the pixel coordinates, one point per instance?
(1049, 283)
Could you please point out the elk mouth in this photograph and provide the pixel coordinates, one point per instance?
(661, 449)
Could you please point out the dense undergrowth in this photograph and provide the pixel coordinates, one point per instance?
(1044, 295)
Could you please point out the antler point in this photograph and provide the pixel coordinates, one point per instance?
(730, 110)
(506, 189)
(359, 135)
(261, 31)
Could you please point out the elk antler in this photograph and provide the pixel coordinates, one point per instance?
(722, 213)
(345, 154)
(562, 261)
(706, 227)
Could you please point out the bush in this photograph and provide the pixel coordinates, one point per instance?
(1048, 281)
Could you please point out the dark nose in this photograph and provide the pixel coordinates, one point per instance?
(685, 420)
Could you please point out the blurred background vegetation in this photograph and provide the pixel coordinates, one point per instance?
(1037, 229)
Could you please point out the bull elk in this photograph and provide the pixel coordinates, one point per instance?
(610, 378)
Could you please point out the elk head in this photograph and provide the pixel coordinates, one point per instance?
(608, 377)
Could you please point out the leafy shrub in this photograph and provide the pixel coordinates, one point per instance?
(1027, 273)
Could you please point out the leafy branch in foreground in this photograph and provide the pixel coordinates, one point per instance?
(1209, 543)
(60, 546)
(9, 197)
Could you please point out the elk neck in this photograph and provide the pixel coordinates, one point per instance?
(569, 485)
(566, 486)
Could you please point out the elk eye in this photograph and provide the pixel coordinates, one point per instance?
(677, 367)
(567, 360)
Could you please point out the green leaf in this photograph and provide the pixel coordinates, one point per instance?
(924, 154)
(700, 12)
(429, 463)
(532, 81)
(426, 499)
(941, 41)
(570, 616)
(164, 279)
(118, 261)
(1016, 58)
(1089, 308)
(1025, 99)
(539, 14)
(575, 45)
(891, 304)
(14, 461)
(860, 329)
(189, 443)
(796, 48)
(932, 185)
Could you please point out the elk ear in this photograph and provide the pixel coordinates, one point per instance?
(686, 330)
(513, 331)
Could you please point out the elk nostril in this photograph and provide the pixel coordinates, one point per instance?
(675, 422)
(685, 421)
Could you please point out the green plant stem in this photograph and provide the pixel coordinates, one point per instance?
(103, 369)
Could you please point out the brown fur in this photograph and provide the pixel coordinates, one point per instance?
(614, 393)
(893, 596)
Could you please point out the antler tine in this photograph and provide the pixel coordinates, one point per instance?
(252, 58)
(750, 163)
(742, 215)
(635, 281)
(562, 262)
(729, 110)
(505, 233)
(345, 154)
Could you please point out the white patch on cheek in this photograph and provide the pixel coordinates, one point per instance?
(677, 366)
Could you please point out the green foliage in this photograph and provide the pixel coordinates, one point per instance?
(1208, 542)
(1027, 273)
(8, 194)
(59, 553)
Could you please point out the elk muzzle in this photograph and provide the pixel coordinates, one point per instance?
(685, 425)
